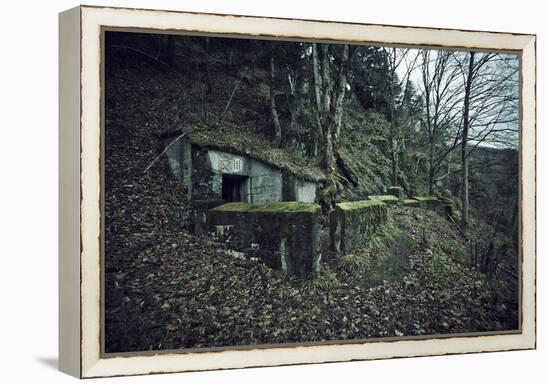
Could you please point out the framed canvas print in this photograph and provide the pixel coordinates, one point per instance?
(250, 191)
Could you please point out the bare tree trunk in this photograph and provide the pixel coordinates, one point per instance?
(394, 166)
(325, 73)
(321, 77)
(329, 92)
(393, 126)
(464, 144)
(273, 106)
(316, 76)
(341, 91)
(431, 165)
(317, 84)
(431, 179)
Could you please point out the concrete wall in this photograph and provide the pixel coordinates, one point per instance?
(353, 222)
(295, 189)
(228, 163)
(284, 235)
(265, 183)
(179, 160)
(398, 192)
(200, 214)
(200, 172)
(206, 184)
(442, 206)
(305, 191)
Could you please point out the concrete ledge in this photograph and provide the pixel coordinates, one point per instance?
(428, 202)
(274, 207)
(284, 235)
(387, 199)
(411, 203)
(351, 222)
(435, 204)
(397, 191)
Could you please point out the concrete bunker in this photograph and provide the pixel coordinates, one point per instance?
(284, 235)
(352, 222)
(265, 210)
(209, 172)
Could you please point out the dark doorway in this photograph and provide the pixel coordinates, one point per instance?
(231, 187)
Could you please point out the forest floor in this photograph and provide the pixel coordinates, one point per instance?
(178, 291)
(168, 289)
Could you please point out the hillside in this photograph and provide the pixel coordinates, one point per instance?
(167, 288)
(235, 112)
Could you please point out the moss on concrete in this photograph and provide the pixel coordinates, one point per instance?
(433, 203)
(426, 198)
(233, 207)
(284, 235)
(350, 205)
(387, 199)
(384, 197)
(287, 206)
(397, 191)
(352, 222)
(275, 207)
(231, 139)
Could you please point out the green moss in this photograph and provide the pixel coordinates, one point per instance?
(384, 197)
(233, 207)
(361, 152)
(387, 199)
(411, 203)
(287, 206)
(326, 193)
(231, 139)
(379, 257)
(278, 206)
(394, 189)
(425, 198)
(351, 205)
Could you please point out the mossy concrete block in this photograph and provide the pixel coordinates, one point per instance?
(434, 204)
(284, 235)
(275, 207)
(351, 222)
(398, 192)
(386, 199)
(428, 202)
(411, 203)
(443, 206)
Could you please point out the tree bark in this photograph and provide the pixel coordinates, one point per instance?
(273, 106)
(325, 73)
(393, 125)
(317, 83)
(464, 144)
(329, 87)
(341, 91)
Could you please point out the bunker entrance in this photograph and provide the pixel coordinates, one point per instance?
(232, 187)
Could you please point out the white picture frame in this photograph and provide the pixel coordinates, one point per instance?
(81, 155)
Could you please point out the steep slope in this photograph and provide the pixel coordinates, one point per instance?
(167, 289)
